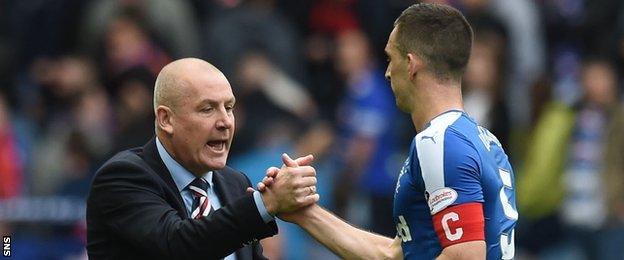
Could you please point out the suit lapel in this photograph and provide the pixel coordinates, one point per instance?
(151, 156)
(221, 183)
(223, 187)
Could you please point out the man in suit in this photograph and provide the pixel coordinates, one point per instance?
(175, 197)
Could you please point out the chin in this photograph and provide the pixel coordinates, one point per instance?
(216, 164)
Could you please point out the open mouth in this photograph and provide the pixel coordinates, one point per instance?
(217, 146)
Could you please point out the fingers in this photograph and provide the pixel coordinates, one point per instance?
(305, 160)
(311, 199)
(304, 171)
(272, 172)
(308, 182)
(268, 180)
(303, 192)
(289, 162)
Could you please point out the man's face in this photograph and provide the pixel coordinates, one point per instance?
(203, 122)
(397, 74)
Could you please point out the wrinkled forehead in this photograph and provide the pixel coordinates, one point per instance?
(202, 85)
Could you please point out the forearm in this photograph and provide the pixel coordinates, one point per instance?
(467, 250)
(345, 240)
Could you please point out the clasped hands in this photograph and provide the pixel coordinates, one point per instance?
(289, 188)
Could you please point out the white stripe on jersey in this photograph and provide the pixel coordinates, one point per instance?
(430, 150)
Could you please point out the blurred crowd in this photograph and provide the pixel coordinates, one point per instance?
(545, 76)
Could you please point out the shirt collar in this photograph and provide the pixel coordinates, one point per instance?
(428, 124)
(181, 176)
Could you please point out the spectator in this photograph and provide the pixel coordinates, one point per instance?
(234, 33)
(177, 30)
(133, 108)
(367, 142)
(127, 45)
(484, 83)
(10, 161)
(574, 169)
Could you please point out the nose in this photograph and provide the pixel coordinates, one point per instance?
(225, 120)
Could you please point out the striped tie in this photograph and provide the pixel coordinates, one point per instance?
(201, 203)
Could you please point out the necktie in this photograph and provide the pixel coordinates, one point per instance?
(201, 203)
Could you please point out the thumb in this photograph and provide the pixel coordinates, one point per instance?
(250, 190)
(304, 161)
(289, 162)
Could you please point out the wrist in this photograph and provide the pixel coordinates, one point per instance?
(268, 203)
(305, 214)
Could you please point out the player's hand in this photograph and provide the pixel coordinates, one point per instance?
(292, 187)
(271, 172)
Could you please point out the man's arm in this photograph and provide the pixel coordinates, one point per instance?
(129, 204)
(349, 242)
(339, 236)
(342, 238)
(461, 231)
(126, 201)
(467, 250)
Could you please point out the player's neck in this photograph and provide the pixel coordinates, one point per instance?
(434, 100)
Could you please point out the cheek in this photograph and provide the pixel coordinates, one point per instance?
(396, 73)
(195, 131)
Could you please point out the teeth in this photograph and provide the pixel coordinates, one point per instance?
(217, 145)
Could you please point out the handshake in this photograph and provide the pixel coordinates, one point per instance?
(287, 190)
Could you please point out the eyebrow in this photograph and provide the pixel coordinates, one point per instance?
(213, 101)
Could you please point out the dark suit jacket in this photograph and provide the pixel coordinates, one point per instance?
(134, 211)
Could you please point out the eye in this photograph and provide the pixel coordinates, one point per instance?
(206, 109)
(229, 108)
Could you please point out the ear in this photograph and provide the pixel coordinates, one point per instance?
(164, 117)
(414, 65)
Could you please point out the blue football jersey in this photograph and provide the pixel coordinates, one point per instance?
(452, 162)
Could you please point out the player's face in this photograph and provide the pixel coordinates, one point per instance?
(204, 123)
(397, 73)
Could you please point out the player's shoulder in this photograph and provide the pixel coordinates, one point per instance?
(444, 130)
(446, 143)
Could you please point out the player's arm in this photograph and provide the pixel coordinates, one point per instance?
(339, 236)
(461, 231)
(467, 250)
(452, 178)
(343, 239)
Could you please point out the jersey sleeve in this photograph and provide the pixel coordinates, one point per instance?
(450, 167)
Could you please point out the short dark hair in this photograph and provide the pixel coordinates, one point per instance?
(439, 34)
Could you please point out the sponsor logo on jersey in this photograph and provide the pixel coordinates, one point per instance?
(424, 137)
(440, 199)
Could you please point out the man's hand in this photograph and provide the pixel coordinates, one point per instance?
(292, 186)
(271, 172)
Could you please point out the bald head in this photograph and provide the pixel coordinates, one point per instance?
(194, 104)
(173, 80)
